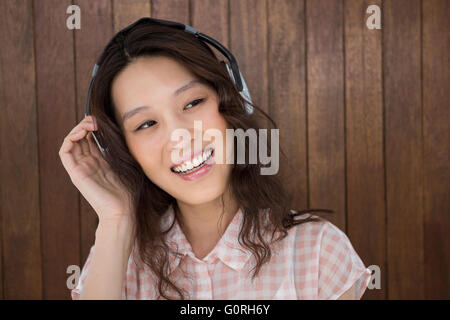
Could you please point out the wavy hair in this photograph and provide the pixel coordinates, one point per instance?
(252, 191)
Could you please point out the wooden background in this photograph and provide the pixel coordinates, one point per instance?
(362, 115)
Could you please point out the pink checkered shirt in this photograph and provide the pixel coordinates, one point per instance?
(315, 261)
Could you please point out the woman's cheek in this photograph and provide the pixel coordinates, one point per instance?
(148, 157)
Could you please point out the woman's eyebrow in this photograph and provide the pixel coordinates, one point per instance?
(187, 86)
(177, 92)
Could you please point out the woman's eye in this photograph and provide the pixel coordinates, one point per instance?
(194, 103)
(143, 125)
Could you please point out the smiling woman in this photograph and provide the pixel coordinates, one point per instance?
(197, 228)
(169, 98)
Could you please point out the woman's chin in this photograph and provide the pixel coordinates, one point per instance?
(197, 197)
(204, 189)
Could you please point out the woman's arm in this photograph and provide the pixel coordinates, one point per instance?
(113, 245)
(349, 294)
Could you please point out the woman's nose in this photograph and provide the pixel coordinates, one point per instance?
(178, 135)
(185, 135)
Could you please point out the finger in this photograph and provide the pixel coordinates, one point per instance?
(79, 133)
(85, 124)
(71, 144)
(91, 119)
(70, 151)
(94, 121)
(85, 146)
(67, 158)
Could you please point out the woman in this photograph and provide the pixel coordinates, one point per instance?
(198, 229)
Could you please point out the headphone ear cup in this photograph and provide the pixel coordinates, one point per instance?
(244, 93)
(230, 72)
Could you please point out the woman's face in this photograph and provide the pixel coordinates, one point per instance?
(153, 82)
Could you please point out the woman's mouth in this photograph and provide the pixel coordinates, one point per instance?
(197, 167)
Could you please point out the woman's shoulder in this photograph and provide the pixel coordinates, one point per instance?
(319, 237)
(305, 234)
(323, 247)
(312, 226)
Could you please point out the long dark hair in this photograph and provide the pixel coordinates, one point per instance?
(252, 191)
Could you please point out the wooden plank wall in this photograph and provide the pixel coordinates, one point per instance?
(363, 116)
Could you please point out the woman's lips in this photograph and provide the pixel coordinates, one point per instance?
(191, 158)
(200, 171)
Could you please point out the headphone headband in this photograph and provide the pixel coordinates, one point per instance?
(186, 28)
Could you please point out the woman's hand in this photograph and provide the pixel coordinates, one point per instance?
(92, 175)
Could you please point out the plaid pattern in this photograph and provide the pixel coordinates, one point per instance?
(315, 261)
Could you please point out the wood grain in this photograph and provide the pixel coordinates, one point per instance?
(403, 150)
(366, 207)
(325, 108)
(287, 91)
(436, 119)
(19, 169)
(248, 43)
(127, 12)
(215, 24)
(172, 10)
(60, 232)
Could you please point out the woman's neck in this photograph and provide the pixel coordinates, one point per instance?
(204, 225)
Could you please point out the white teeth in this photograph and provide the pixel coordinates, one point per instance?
(197, 161)
(188, 165)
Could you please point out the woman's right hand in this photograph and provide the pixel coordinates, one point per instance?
(92, 175)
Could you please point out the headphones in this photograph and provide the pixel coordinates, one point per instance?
(233, 71)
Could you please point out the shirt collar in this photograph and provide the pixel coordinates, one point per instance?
(228, 249)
